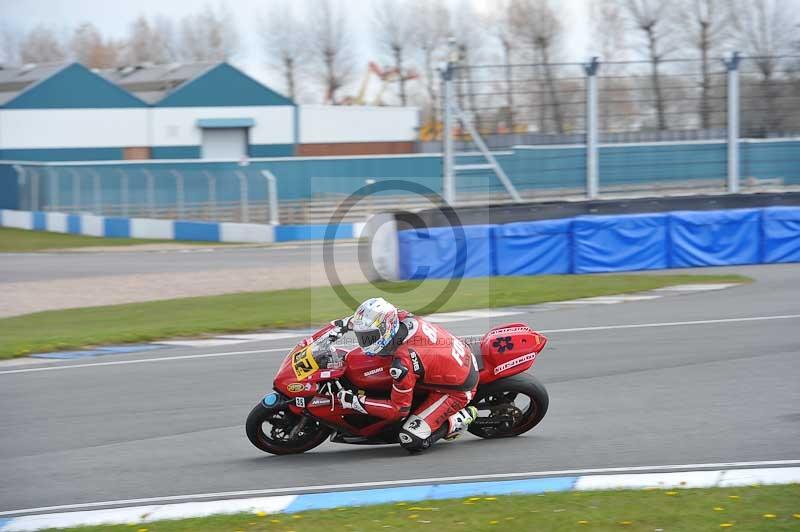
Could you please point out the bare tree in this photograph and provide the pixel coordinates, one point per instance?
(608, 30)
(706, 29)
(429, 39)
(209, 35)
(394, 31)
(42, 45)
(91, 49)
(538, 26)
(765, 30)
(651, 19)
(502, 26)
(330, 41)
(469, 41)
(284, 38)
(9, 45)
(150, 41)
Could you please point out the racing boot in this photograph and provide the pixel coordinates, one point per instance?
(460, 421)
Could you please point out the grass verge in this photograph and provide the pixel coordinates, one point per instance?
(22, 240)
(757, 508)
(74, 328)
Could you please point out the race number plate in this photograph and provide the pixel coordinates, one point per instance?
(304, 364)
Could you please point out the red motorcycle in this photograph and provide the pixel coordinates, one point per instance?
(303, 411)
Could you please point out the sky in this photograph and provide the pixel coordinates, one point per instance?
(114, 16)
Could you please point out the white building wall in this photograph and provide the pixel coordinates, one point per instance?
(338, 123)
(73, 128)
(177, 126)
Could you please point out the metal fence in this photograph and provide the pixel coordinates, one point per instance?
(156, 192)
(621, 126)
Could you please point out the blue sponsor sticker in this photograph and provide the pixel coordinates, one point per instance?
(271, 399)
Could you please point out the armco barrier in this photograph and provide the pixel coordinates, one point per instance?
(594, 244)
(781, 225)
(625, 242)
(715, 238)
(444, 252)
(91, 225)
(530, 248)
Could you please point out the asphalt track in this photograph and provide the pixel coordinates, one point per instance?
(47, 266)
(158, 424)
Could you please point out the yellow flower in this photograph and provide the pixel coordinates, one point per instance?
(733, 496)
(261, 514)
(492, 522)
(583, 522)
(295, 516)
(474, 499)
(142, 530)
(626, 523)
(672, 493)
(770, 516)
(276, 521)
(490, 498)
(725, 525)
(718, 508)
(796, 516)
(413, 516)
(468, 502)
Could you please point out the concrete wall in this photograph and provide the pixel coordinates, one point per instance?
(329, 123)
(173, 133)
(177, 126)
(72, 128)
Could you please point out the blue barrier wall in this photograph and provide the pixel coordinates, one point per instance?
(594, 244)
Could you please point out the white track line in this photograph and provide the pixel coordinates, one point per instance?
(143, 360)
(272, 350)
(405, 482)
(672, 323)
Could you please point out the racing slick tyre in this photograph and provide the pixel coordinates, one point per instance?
(277, 430)
(509, 407)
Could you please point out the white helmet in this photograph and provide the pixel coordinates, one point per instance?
(375, 323)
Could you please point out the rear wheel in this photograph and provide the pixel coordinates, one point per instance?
(277, 430)
(509, 407)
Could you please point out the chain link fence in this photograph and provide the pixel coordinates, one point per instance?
(628, 126)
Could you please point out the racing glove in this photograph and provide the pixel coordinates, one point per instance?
(350, 400)
(340, 328)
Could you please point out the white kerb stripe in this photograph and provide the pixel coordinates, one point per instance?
(92, 225)
(56, 222)
(18, 219)
(147, 228)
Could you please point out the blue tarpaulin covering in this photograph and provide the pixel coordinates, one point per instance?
(781, 227)
(715, 238)
(593, 244)
(620, 243)
(444, 252)
(529, 248)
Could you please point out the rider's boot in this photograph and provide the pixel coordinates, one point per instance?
(460, 421)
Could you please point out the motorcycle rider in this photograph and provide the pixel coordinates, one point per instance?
(424, 356)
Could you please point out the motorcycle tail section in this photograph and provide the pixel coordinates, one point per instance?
(509, 349)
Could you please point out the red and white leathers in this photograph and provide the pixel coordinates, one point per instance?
(429, 358)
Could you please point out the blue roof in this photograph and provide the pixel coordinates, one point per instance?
(222, 85)
(71, 87)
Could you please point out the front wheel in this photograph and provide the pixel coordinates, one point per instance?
(509, 407)
(277, 430)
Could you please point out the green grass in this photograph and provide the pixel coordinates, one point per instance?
(74, 328)
(21, 240)
(756, 508)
